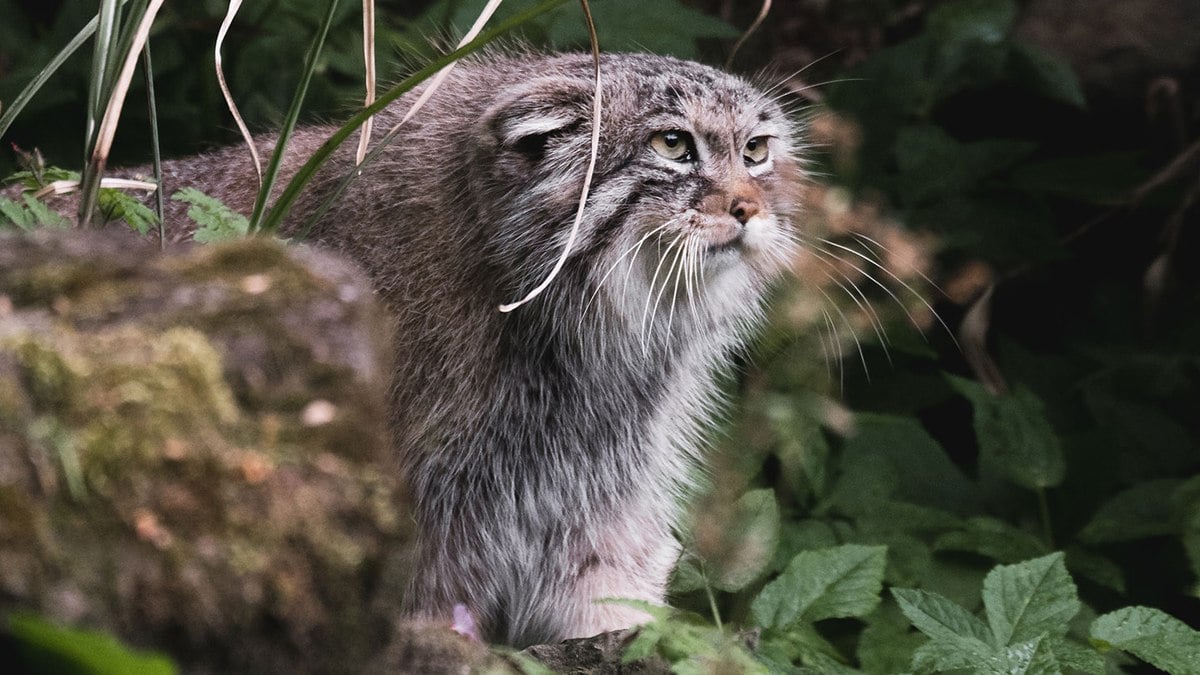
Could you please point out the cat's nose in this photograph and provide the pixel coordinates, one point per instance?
(743, 209)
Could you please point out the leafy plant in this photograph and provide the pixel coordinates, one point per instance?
(217, 221)
(50, 648)
(29, 214)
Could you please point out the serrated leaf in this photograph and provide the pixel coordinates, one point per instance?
(1077, 657)
(836, 582)
(643, 644)
(1032, 598)
(1014, 435)
(798, 642)
(887, 644)
(1032, 657)
(15, 215)
(117, 205)
(952, 654)
(803, 535)
(217, 221)
(1151, 635)
(755, 528)
(939, 617)
(43, 214)
(687, 576)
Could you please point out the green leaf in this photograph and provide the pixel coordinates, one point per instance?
(934, 164)
(118, 205)
(986, 21)
(13, 214)
(1142, 511)
(78, 651)
(994, 539)
(969, 43)
(687, 576)
(1047, 74)
(217, 222)
(939, 617)
(835, 582)
(886, 644)
(643, 645)
(754, 530)
(889, 458)
(802, 642)
(31, 213)
(802, 535)
(43, 215)
(1029, 599)
(1014, 435)
(1032, 657)
(1096, 568)
(1151, 635)
(952, 654)
(1077, 657)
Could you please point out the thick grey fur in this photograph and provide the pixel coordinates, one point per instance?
(548, 449)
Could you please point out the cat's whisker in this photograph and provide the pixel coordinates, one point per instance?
(898, 280)
(680, 262)
(860, 299)
(650, 293)
(672, 272)
(849, 324)
(835, 340)
(865, 239)
(691, 280)
(631, 250)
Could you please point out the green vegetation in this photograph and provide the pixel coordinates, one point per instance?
(1017, 490)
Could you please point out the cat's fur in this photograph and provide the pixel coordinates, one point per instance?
(547, 449)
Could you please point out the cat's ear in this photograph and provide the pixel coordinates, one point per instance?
(531, 114)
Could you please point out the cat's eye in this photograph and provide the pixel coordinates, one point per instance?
(674, 145)
(756, 151)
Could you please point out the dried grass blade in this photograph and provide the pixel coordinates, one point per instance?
(587, 177)
(364, 140)
(480, 22)
(112, 115)
(234, 6)
(758, 20)
(101, 53)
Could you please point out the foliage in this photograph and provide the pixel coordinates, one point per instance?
(1024, 515)
(28, 214)
(898, 514)
(217, 221)
(50, 648)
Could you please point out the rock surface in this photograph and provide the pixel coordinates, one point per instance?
(193, 452)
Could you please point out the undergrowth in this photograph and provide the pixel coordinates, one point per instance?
(1024, 498)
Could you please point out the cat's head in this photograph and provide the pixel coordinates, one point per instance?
(691, 207)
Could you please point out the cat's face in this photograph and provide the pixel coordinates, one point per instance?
(690, 210)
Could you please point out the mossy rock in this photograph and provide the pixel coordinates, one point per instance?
(193, 450)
